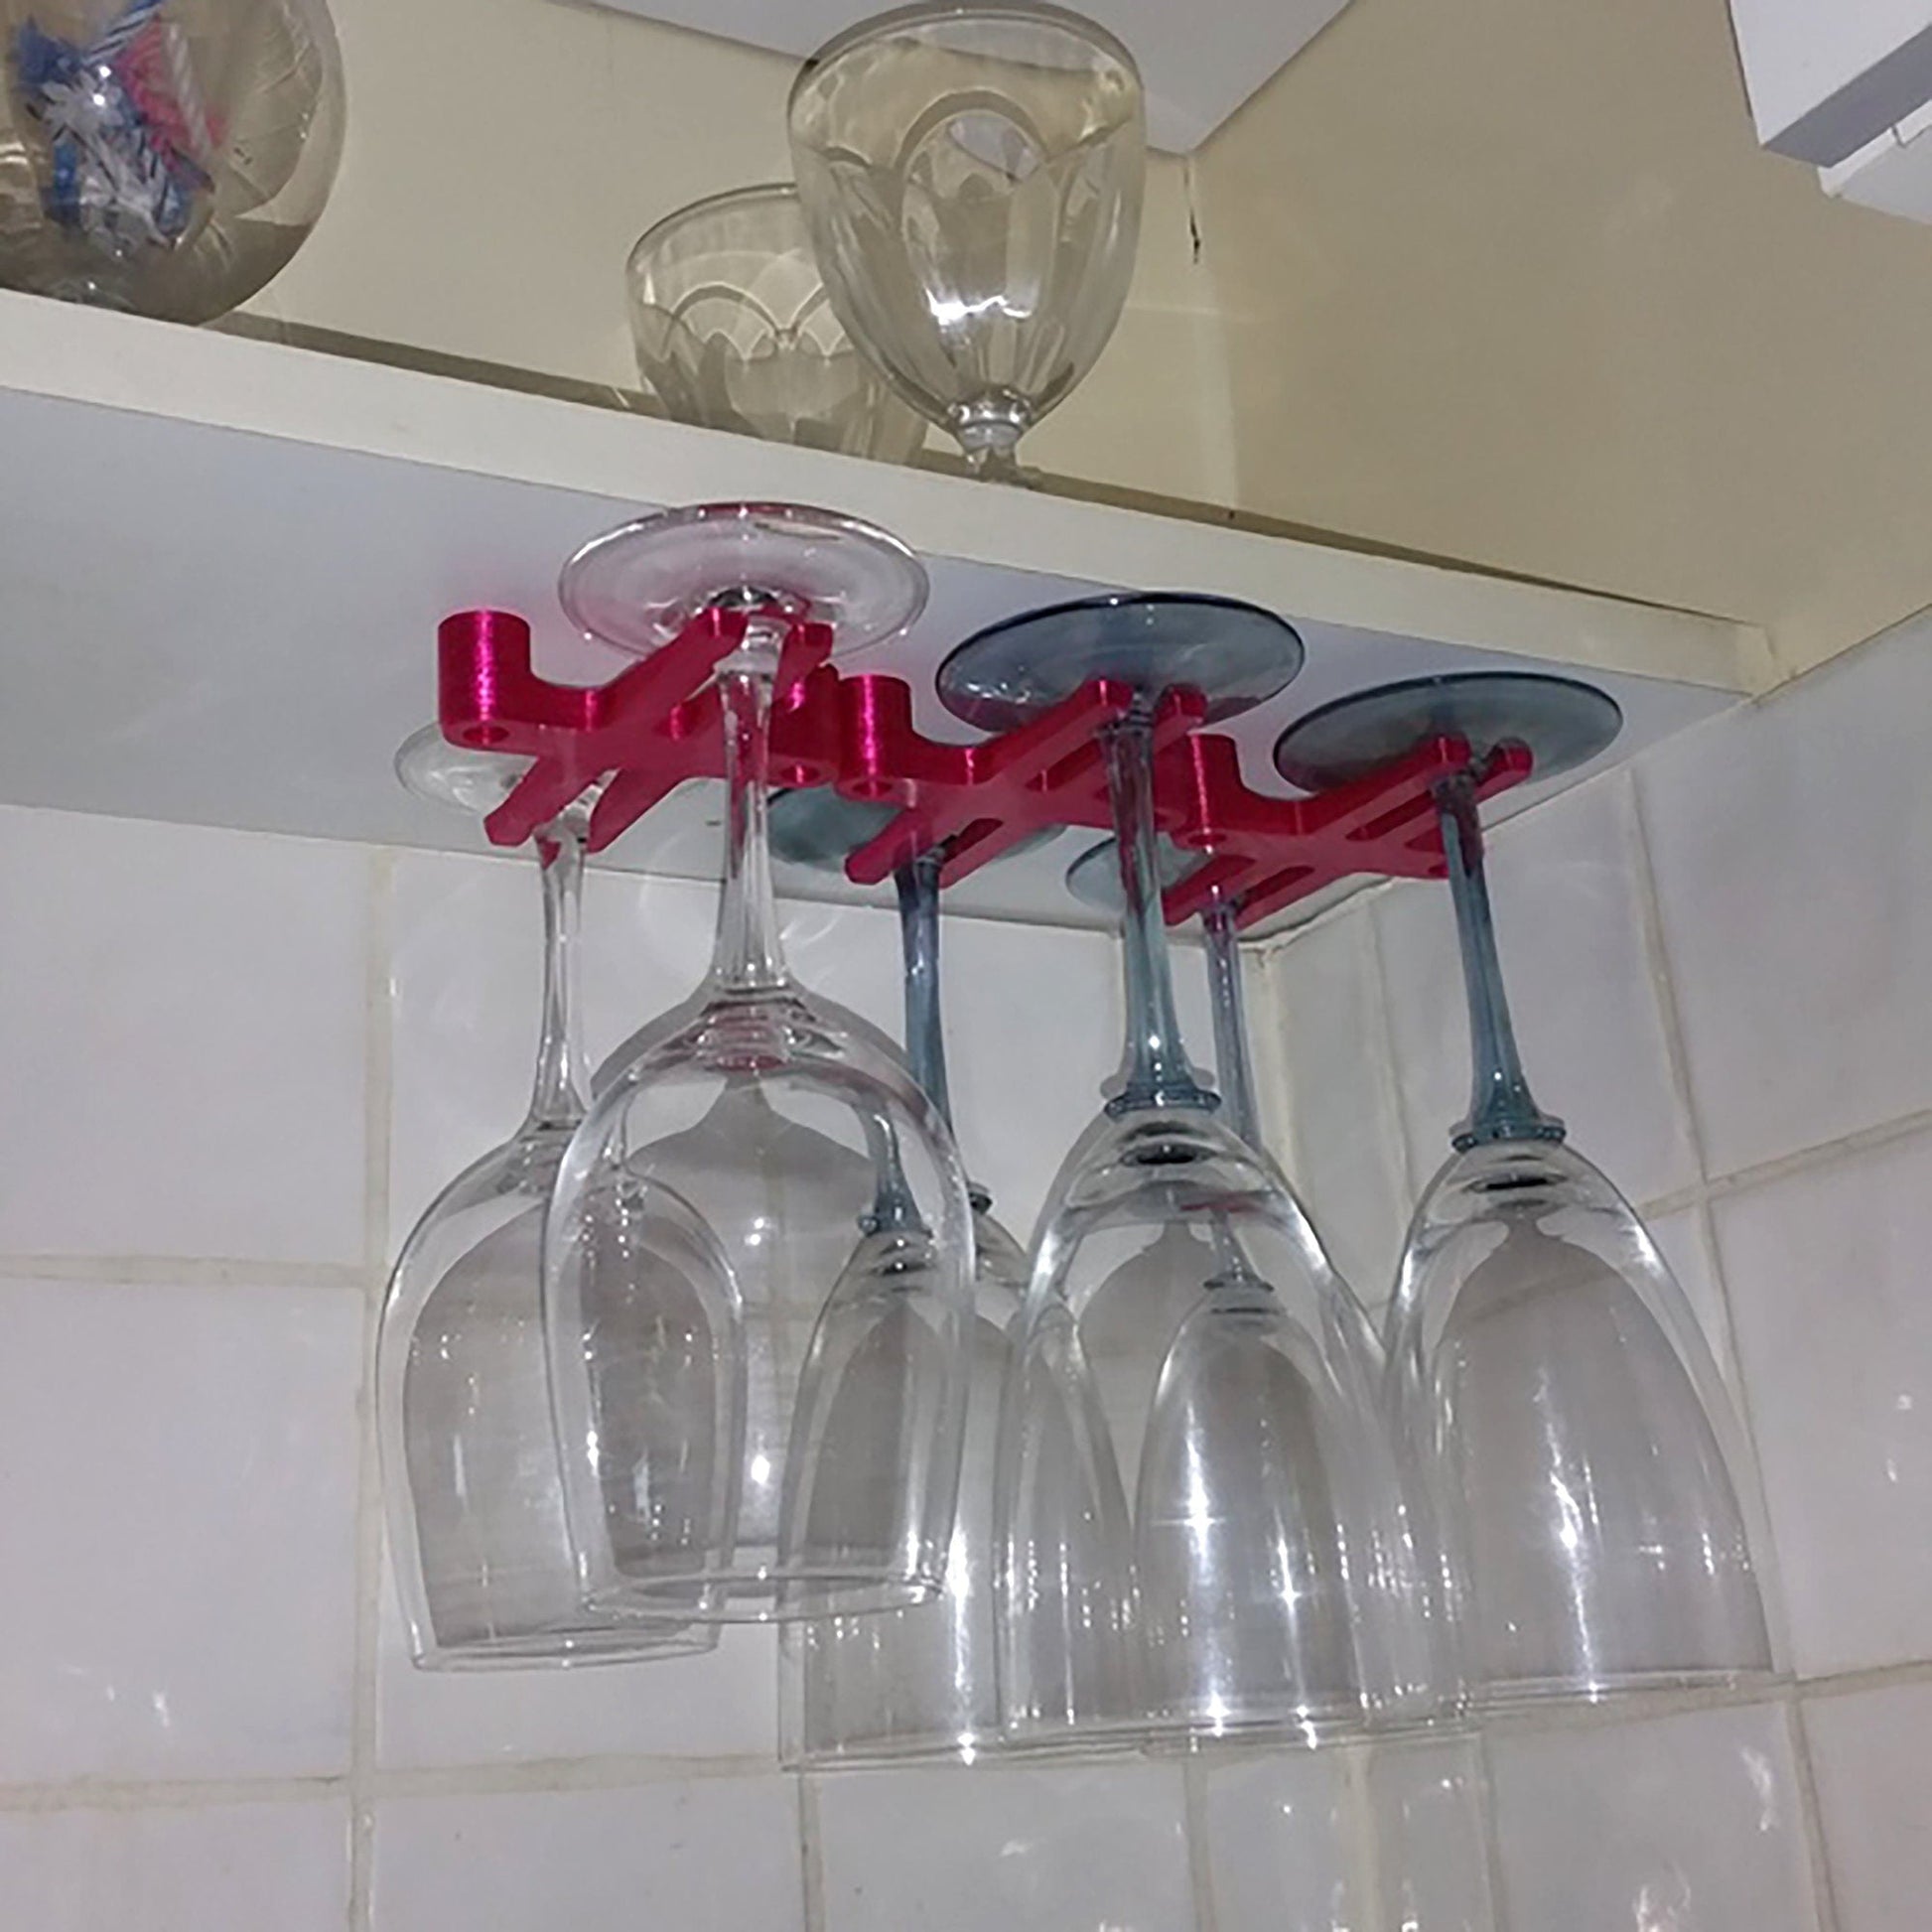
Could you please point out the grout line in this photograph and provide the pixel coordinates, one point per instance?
(1855, 1683)
(92, 1794)
(1493, 1837)
(1817, 1851)
(1360, 1837)
(376, 1096)
(1200, 1876)
(1385, 1071)
(1663, 983)
(175, 1271)
(812, 1855)
(558, 1774)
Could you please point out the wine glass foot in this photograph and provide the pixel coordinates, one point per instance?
(814, 827)
(637, 586)
(1094, 877)
(1236, 656)
(1559, 720)
(467, 780)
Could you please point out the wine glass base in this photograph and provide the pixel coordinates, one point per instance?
(471, 782)
(637, 586)
(1236, 656)
(1094, 877)
(1560, 721)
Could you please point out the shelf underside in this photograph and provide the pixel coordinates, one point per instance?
(223, 564)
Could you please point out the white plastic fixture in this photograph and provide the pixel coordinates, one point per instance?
(1827, 77)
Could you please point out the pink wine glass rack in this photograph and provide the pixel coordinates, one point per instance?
(656, 724)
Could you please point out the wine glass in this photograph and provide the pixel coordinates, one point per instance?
(163, 156)
(1181, 1319)
(1410, 1668)
(1593, 1488)
(917, 1682)
(473, 1485)
(734, 330)
(972, 176)
(855, 1287)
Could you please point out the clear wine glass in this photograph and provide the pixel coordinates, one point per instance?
(972, 176)
(849, 1344)
(1593, 1490)
(734, 330)
(1181, 1319)
(472, 1483)
(1409, 1670)
(917, 1682)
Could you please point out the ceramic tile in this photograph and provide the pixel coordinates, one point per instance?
(194, 1870)
(1428, 1834)
(1566, 887)
(1025, 1071)
(183, 1034)
(721, 1704)
(1868, 1757)
(1691, 1823)
(1792, 844)
(718, 1855)
(1095, 1849)
(180, 1487)
(1323, 1006)
(1834, 1331)
(1278, 1845)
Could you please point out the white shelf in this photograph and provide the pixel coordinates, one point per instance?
(223, 561)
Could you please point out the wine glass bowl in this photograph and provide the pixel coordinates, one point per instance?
(973, 175)
(734, 330)
(1595, 1509)
(166, 157)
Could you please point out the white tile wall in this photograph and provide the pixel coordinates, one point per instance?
(1869, 1754)
(202, 1685)
(1096, 1850)
(1691, 1821)
(232, 1868)
(1279, 1845)
(183, 1034)
(716, 1855)
(178, 1496)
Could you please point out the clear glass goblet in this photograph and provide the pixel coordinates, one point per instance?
(734, 330)
(1593, 1491)
(917, 1682)
(972, 176)
(472, 1477)
(1175, 1270)
(848, 1345)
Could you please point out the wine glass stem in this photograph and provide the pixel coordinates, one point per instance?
(1233, 1063)
(918, 931)
(1501, 1106)
(749, 956)
(1155, 1073)
(557, 1095)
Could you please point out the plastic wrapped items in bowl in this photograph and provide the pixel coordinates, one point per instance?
(163, 156)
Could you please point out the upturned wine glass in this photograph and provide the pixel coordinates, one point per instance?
(1182, 1320)
(848, 1345)
(472, 1483)
(1410, 1669)
(917, 1682)
(972, 176)
(734, 330)
(1593, 1489)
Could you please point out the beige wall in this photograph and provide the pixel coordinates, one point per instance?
(503, 154)
(1509, 280)
(1501, 280)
